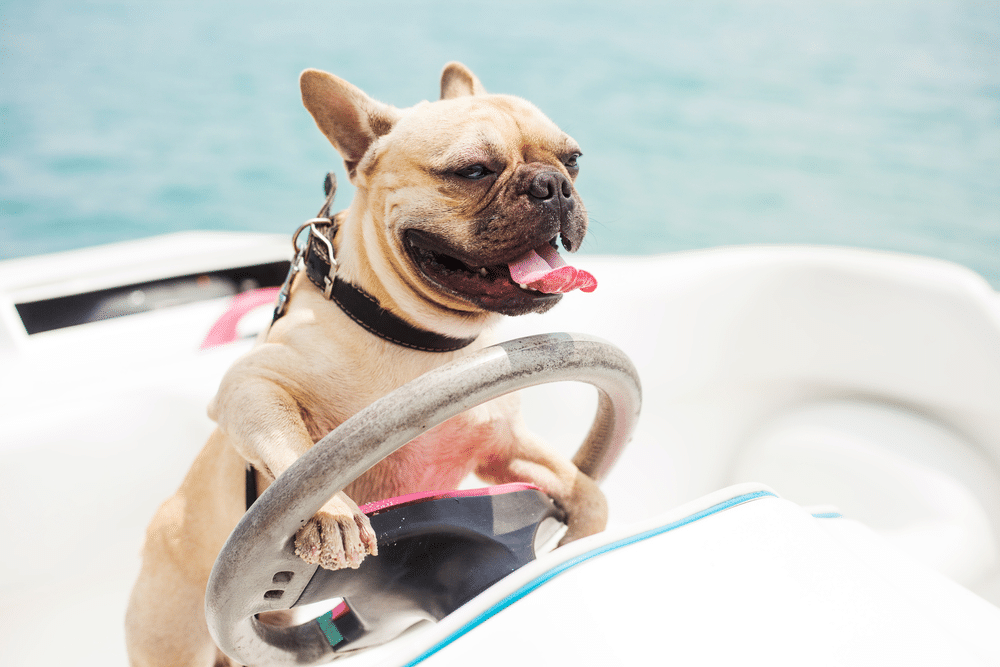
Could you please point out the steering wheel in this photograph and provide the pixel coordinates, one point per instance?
(257, 570)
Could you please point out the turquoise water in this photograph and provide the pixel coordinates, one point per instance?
(872, 124)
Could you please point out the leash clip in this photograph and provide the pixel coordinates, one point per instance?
(297, 264)
(281, 305)
(325, 217)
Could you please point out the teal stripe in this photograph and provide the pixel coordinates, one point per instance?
(828, 515)
(329, 629)
(573, 562)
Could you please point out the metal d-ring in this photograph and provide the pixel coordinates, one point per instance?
(298, 262)
(314, 233)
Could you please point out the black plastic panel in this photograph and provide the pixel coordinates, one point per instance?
(74, 309)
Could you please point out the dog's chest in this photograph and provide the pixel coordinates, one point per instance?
(439, 459)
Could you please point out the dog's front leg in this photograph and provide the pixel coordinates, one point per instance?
(522, 456)
(264, 423)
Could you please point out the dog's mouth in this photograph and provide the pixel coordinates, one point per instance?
(533, 280)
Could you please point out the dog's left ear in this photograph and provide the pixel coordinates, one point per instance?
(350, 119)
(457, 80)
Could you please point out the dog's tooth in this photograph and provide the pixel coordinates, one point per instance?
(482, 271)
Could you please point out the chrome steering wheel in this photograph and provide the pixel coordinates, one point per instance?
(257, 570)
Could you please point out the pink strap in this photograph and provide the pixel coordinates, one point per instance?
(224, 329)
(411, 498)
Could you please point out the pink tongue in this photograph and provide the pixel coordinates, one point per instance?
(544, 270)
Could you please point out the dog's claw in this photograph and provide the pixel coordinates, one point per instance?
(336, 540)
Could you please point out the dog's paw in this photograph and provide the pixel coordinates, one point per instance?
(338, 536)
(586, 510)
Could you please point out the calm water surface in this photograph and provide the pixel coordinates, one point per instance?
(873, 124)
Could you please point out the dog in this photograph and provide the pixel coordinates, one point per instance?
(459, 207)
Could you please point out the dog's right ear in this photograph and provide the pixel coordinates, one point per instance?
(350, 119)
(457, 80)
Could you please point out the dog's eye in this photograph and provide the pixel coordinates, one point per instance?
(474, 172)
(571, 161)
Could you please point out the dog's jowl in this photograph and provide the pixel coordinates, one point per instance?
(462, 208)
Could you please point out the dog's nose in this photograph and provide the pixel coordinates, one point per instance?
(548, 184)
(554, 193)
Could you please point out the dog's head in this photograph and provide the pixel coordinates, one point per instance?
(458, 195)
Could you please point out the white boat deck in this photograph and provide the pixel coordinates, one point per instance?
(807, 369)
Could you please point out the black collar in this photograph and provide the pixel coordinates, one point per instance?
(365, 309)
(316, 257)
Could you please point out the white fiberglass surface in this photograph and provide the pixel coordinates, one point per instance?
(100, 422)
(738, 576)
(759, 583)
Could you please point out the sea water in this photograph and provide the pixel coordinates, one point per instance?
(717, 122)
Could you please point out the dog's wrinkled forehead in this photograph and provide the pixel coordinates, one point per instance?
(494, 128)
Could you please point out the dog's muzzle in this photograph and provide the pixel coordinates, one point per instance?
(553, 190)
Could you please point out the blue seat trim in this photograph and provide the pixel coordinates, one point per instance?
(577, 560)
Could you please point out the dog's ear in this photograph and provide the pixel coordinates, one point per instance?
(350, 119)
(457, 80)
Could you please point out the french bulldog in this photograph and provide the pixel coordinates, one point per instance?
(460, 210)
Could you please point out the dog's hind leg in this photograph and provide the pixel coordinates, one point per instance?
(165, 623)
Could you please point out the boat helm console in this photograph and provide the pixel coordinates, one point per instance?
(437, 551)
(258, 571)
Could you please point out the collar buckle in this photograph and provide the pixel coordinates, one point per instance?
(357, 304)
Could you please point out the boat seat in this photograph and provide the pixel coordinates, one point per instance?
(920, 485)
